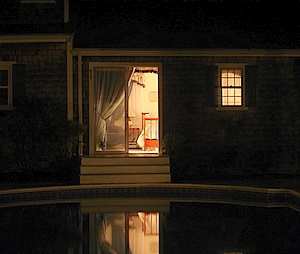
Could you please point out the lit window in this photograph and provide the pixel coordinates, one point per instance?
(229, 91)
(231, 87)
(5, 85)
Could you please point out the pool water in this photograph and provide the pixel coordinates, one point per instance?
(185, 227)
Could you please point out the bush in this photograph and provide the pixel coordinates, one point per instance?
(183, 154)
(37, 133)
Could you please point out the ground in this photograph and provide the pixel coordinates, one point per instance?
(277, 181)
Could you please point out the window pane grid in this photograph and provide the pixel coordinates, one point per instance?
(231, 96)
(231, 84)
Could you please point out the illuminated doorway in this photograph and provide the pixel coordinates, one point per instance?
(143, 115)
(124, 113)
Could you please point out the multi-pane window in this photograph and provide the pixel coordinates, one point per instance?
(5, 86)
(231, 87)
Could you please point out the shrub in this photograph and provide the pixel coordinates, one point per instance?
(183, 154)
(37, 133)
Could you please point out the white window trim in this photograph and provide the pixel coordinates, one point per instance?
(228, 66)
(8, 66)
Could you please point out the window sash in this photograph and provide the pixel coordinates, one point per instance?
(231, 87)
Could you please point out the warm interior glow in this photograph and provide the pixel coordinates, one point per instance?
(135, 233)
(151, 223)
(231, 84)
(143, 101)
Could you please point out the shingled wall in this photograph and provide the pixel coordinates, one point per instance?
(263, 138)
(40, 69)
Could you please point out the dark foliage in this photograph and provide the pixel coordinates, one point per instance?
(194, 159)
(36, 135)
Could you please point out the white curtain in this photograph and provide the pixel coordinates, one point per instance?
(103, 247)
(136, 236)
(120, 109)
(109, 92)
(136, 103)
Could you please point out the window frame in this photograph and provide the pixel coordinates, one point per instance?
(7, 66)
(222, 66)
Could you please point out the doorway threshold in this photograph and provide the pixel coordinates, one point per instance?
(140, 151)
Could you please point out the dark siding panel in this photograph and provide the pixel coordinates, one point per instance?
(296, 74)
(251, 74)
(211, 85)
(18, 82)
(296, 100)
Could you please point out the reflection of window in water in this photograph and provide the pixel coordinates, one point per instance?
(109, 233)
(114, 231)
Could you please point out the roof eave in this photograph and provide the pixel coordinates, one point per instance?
(186, 52)
(33, 38)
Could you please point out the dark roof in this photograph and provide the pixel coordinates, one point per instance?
(203, 24)
(175, 24)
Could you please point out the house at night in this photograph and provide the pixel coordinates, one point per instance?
(237, 105)
(163, 102)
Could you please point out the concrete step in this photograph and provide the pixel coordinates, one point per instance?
(125, 178)
(125, 169)
(129, 169)
(125, 160)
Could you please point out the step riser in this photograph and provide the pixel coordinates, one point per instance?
(125, 161)
(125, 178)
(116, 169)
(124, 169)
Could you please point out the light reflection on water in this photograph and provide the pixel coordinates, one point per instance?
(150, 225)
(186, 228)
